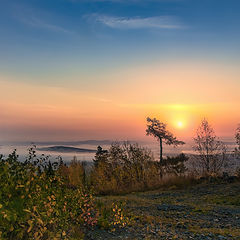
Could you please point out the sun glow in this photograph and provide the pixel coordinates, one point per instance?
(179, 124)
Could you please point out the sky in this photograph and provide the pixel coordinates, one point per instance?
(95, 69)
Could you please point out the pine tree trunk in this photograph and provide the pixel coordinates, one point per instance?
(161, 157)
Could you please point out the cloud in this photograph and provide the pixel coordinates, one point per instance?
(158, 22)
(38, 19)
(39, 23)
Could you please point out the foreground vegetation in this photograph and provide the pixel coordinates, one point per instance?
(38, 202)
(44, 200)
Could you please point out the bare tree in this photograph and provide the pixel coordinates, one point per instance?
(158, 130)
(211, 152)
(237, 137)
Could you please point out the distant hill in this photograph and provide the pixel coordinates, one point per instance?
(74, 143)
(62, 143)
(66, 149)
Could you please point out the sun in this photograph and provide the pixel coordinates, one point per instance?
(179, 124)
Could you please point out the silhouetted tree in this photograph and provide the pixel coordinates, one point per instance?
(158, 130)
(211, 151)
(100, 155)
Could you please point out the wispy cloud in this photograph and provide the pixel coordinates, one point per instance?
(39, 23)
(158, 22)
(37, 19)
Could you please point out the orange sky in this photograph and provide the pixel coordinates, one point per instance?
(116, 106)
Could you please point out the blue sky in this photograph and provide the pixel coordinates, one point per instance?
(71, 68)
(39, 36)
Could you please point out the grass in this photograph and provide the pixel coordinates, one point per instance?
(208, 209)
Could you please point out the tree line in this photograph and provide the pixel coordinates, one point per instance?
(127, 167)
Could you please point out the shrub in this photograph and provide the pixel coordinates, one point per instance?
(128, 168)
(124, 168)
(74, 175)
(113, 216)
(36, 202)
(175, 165)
